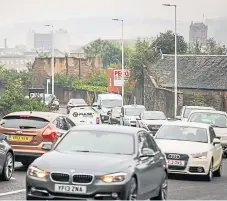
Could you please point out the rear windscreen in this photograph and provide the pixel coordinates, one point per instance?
(23, 122)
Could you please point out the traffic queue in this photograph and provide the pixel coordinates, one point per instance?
(109, 150)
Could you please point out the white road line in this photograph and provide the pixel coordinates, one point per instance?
(12, 178)
(12, 192)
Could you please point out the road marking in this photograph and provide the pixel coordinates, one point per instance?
(12, 192)
(12, 178)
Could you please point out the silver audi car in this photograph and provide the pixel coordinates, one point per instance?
(100, 162)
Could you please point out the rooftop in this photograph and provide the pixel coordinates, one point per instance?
(194, 71)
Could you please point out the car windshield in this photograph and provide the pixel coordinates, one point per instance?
(153, 116)
(116, 110)
(97, 141)
(215, 119)
(77, 102)
(111, 103)
(182, 133)
(187, 111)
(134, 111)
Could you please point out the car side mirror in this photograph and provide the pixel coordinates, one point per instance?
(2, 137)
(146, 152)
(178, 117)
(109, 112)
(138, 118)
(216, 141)
(47, 146)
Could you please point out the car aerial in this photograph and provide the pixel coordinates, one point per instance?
(75, 103)
(6, 159)
(129, 114)
(100, 162)
(191, 148)
(185, 111)
(51, 101)
(151, 120)
(106, 102)
(217, 119)
(114, 115)
(27, 132)
(84, 115)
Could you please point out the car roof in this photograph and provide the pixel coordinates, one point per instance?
(187, 124)
(133, 106)
(150, 111)
(202, 107)
(107, 128)
(208, 111)
(50, 116)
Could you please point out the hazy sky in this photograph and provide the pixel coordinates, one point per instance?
(13, 11)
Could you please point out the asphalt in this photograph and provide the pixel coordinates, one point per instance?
(180, 187)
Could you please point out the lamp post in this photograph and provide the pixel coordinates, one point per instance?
(48, 81)
(175, 84)
(122, 57)
(52, 58)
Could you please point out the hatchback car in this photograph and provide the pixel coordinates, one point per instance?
(191, 148)
(75, 103)
(6, 159)
(27, 132)
(100, 162)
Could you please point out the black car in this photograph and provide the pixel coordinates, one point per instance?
(6, 159)
(100, 162)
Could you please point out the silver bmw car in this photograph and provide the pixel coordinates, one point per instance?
(100, 162)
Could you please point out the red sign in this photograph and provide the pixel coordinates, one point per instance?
(119, 73)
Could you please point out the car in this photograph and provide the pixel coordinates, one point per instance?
(27, 132)
(100, 162)
(191, 148)
(75, 103)
(6, 159)
(185, 111)
(129, 114)
(51, 101)
(217, 119)
(151, 120)
(84, 115)
(114, 115)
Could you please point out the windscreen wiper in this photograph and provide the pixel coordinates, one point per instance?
(24, 127)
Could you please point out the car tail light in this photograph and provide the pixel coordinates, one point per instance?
(97, 120)
(49, 133)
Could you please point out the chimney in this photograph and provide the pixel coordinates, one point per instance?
(5, 42)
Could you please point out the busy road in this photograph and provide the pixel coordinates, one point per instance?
(180, 188)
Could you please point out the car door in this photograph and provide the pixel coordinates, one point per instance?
(61, 125)
(147, 166)
(216, 149)
(70, 122)
(2, 154)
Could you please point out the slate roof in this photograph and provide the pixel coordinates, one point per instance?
(194, 71)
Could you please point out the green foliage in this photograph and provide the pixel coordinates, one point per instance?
(166, 43)
(213, 48)
(197, 100)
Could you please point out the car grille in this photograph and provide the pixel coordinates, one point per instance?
(173, 167)
(60, 177)
(153, 127)
(82, 179)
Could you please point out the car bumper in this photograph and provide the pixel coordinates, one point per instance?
(38, 189)
(193, 167)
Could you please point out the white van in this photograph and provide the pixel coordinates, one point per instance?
(84, 115)
(106, 102)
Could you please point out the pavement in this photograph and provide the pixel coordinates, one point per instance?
(180, 187)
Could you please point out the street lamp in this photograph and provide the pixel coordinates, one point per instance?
(52, 57)
(175, 84)
(122, 58)
(48, 81)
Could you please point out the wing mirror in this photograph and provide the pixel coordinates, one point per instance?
(47, 146)
(216, 141)
(109, 112)
(2, 137)
(146, 152)
(138, 118)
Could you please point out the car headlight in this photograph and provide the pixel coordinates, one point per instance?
(36, 172)
(224, 138)
(202, 155)
(117, 177)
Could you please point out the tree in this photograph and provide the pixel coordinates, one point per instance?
(195, 49)
(166, 43)
(213, 48)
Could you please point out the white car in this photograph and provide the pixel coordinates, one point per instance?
(84, 115)
(191, 148)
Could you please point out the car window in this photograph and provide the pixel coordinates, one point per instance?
(61, 123)
(212, 134)
(144, 142)
(23, 122)
(70, 122)
(152, 143)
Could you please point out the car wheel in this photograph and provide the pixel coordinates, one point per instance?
(218, 172)
(209, 176)
(8, 168)
(132, 194)
(163, 190)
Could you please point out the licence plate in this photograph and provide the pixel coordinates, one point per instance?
(70, 189)
(18, 138)
(176, 162)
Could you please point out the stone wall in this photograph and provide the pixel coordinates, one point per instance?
(41, 68)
